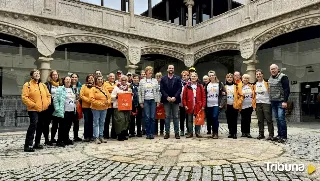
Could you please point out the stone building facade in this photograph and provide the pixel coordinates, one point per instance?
(48, 24)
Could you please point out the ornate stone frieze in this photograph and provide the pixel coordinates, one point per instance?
(134, 54)
(163, 51)
(93, 39)
(285, 28)
(189, 59)
(19, 32)
(215, 48)
(247, 48)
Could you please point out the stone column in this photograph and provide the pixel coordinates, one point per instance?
(44, 67)
(132, 68)
(131, 10)
(251, 68)
(189, 4)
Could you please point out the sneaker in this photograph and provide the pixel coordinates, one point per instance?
(270, 138)
(249, 136)
(190, 135)
(260, 137)
(77, 139)
(28, 149)
(97, 141)
(102, 140)
(177, 136)
(182, 133)
(167, 136)
(37, 146)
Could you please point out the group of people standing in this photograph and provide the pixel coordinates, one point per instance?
(63, 102)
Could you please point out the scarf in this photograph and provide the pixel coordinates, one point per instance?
(123, 87)
(56, 84)
(89, 86)
(227, 83)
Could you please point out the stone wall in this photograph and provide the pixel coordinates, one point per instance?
(8, 106)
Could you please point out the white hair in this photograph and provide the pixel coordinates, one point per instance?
(205, 77)
(274, 66)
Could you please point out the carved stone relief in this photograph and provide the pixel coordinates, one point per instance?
(163, 51)
(46, 45)
(93, 39)
(285, 28)
(215, 48)
(189, 59)
(247, 48)
(20, 33)
(134, 54)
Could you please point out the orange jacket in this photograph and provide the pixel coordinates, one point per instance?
(99, 100)
(36, 96)
(253, 97)
(237, 96)
(109, 86)
(255, 88)
(85, 96)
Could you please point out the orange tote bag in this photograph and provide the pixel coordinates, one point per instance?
(160, 112)
(199, 120)
(124, 101)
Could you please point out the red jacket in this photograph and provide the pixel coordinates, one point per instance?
(187, 98)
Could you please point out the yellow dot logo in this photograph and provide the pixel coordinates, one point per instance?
(311, 169)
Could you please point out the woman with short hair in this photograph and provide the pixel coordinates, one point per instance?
(158, 77)
(122, 118)
(37, 98)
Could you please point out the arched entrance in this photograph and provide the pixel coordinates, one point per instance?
(297, 53)
(85, 58)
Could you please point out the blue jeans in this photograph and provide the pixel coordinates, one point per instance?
(99, 117)
(190, 125)
(172, 112)
(279, 114)
(213, 118)
(149, 108)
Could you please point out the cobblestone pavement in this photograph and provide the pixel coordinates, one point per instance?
(159, 159)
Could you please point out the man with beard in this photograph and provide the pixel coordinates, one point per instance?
(170, 87)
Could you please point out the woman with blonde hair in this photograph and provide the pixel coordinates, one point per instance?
(121, 118)
(215, 100)
(234, 99)
(52, 84)
(247, 105)
(149, 98)
(158, 77)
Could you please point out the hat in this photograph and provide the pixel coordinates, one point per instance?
(119, 71)
(192, 69)
(129, 73)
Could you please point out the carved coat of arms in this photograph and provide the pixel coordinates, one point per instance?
(247, 48)
(134, 55)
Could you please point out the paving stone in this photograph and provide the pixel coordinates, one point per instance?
(217, 177)
(249, 175)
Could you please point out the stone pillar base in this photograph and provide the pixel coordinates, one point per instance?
(131, 68)
(251, 69)
(44, 67)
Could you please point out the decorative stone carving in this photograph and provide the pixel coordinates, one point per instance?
(247, 48)
(49, 7)
(134, 54)
(46, 45)
(285, 28)
(189, 59)
(163, 51)
(18, 32)
(131, 68)
(93, 39)
(189, 2)
(215, 48)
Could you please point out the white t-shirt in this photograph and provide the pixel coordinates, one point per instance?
(262, 93)
(194, 90)
(69, 104)
(230, 94)
(247, 101)
(212, 94)
(148, 92)
(53, 91)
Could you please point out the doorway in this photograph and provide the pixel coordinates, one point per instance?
(310, 101)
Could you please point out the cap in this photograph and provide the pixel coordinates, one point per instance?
(192, 69)
(129, 73)
(119, 71)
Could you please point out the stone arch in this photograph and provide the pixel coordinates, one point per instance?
(19, 32)
(95, 39)
(215, 48)
(284, 28)
(163, 51)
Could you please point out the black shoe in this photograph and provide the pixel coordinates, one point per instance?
(28, 149)
(281, 140)
(177, 136)
(209, 133)
(61, 144)
(125, 138)
(49, 143)
(260, 137)
(230, 136)
(244, 135)
(234, 136)
(53, 141)
(139, 135)
(120, 138)
(69, 142)
(249, 136)
(167, 136)
(143, 132)
(77, 139)
(37, 146)
(131, 135)
(276, 138)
